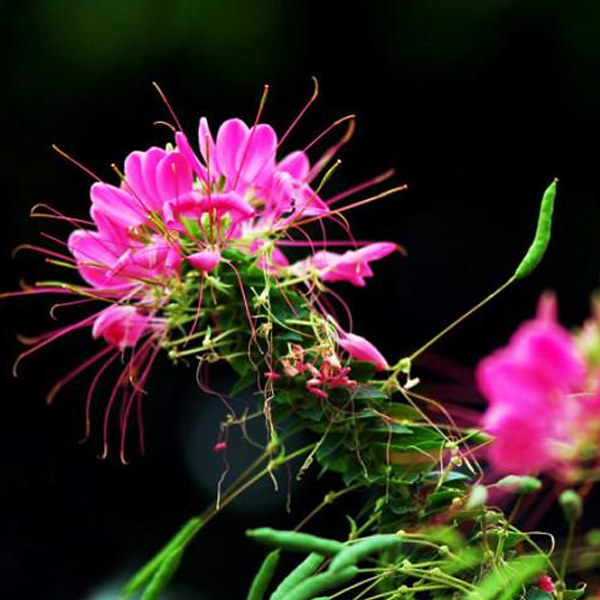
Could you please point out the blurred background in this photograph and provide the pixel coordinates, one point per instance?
(477, 104)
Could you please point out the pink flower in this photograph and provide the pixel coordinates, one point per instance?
(360, 348)
(529, 386)
(351, 266)
(120, 326)
(234, 202)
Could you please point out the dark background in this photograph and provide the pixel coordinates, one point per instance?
(477, 104)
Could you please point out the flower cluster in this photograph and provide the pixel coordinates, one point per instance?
(544, 398)
(199, 245)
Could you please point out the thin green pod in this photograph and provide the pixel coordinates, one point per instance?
(310, 588)
(264, 576)
(144, 575)
(542, 234)
(295, 541)
(163, 575)
(304, 570)
(350, 555)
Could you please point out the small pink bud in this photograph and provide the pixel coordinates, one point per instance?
(546, 584)
(317, 392)
(272, 375)
(205, 260)
(360, 348)
(220, 446)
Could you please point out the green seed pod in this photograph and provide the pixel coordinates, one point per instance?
(304, 570)
(147, 571)
(542, 235)
(352, 554)
(520, 484)
(295, 541)
(263, 577)
(570, 502)
(309, 589)
(163, 575)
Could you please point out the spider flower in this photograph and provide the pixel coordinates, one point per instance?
(544, 404)
(196, 251)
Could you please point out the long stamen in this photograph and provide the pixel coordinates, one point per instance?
(340, 211)
(75, 162)
(163, 97)
(311, 100)
(60, 333)
(59, 385)
(361, 186)
(55, 214)
(90, 394)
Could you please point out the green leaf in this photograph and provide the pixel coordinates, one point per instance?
(369, 392)
(575, 593)
(535, 593)
(362, 371)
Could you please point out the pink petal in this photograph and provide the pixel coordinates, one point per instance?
(208, 148)
(231, 140)
(173, 177)
(95, 258)
(257, 158)
(186, 150)
(376, 251)
(360, 348)
(521, 445)
(296, 164)
(150, 160)
(120, 326)
(205, 260)
(134, 175)
(117, 204)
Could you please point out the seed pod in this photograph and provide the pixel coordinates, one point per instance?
(147, 571)
(263, 577)
(542, 235)
(295, 541)
(304, 570)
(352, 554)
(309, 589)
(163, 575)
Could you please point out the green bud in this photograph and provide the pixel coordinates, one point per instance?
(520, 484)
(570, 502)
(478, 497)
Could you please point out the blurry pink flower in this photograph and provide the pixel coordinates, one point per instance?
(528, 385)
(120, 326)
(360, 348)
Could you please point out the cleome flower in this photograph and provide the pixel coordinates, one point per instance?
(195, 251)
(544, 400)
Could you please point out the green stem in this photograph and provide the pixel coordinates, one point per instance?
(567, 552)
(460, 319)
